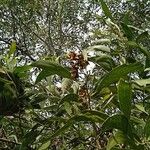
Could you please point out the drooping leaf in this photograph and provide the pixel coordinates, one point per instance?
(117, 73)
(49, 68)
(125, 97)
(106, 9)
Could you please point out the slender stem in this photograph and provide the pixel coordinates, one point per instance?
(8, 141)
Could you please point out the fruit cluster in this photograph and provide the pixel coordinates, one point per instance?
(77, 62)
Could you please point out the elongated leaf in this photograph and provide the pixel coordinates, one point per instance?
(142, 82)
(104, 61)
(44, 146)
(50, 68)
(143, 50)
(127, 31)
(117, 122)
(147, 129)
(137, 121)
(66, 84)
(117, 73)
(100, 114)
(106, 9)
(30, 137)
(19, 69)
(142, 36)
(140, 107)
(102, 48)
(70, 122)
(118, 138)
(125, 96)
(69, 98)
(12, 48)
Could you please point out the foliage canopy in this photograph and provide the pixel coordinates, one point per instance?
(74, 75)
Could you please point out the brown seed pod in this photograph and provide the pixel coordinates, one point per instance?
(72, 56)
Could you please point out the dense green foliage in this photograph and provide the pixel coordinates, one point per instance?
(74, 75)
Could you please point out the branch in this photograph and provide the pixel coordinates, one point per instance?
(7, 41)
(8, 141)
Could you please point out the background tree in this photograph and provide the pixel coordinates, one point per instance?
(46, 49)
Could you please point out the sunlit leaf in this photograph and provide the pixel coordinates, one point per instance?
(118, 138)
(102, 48)
(142, 82)
(44, 146)
(12, 48)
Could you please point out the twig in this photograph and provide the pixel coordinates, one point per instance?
(8, 141)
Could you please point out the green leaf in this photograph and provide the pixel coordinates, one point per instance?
(69, 98)
(73, 120)
(44, 146)
(19, 69)
(126, 18)
(12, 48)
(102, 48)
(127, 31)
(106, 9)
(142, 82)
(117, 73)
(49, 69)
(30, 137)
(118, 138)
(119, 122)
(140, 107)
(125, 97)
(100, 114)
(147, 129)
(142, 36)
(68, 108)
(137, 120)
(66, 84)
(143, 50)
(104, 61)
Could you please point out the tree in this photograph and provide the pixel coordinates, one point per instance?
(60, 102)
